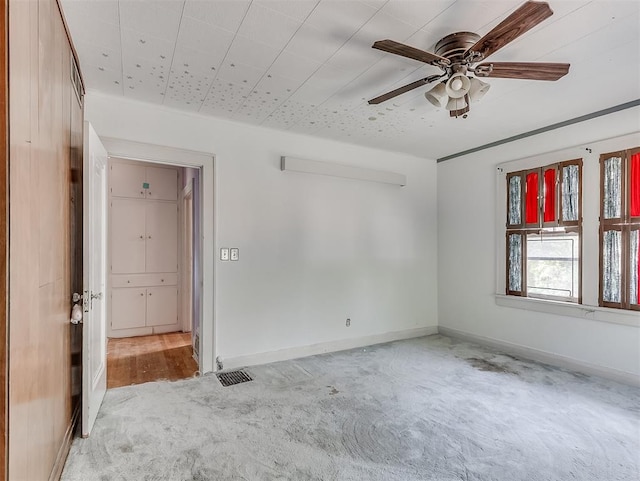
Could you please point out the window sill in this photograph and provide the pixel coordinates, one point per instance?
(592, 313)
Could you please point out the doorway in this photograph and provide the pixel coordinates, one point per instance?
(203, 231)
(152, 301)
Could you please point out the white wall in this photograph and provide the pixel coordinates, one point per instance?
(314, 250)
(470, 250)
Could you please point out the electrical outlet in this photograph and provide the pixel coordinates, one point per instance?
(234, 253)
(348, 323)
(224, 253)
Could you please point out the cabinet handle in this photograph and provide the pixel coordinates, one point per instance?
(161, 280)
(149, 237)
(128, 282)
(142, 293)
(141, 237)
(150, 294)
(142, 192)
(149, 192)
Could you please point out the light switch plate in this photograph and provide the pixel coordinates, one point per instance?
(235, 253)
(224, 253)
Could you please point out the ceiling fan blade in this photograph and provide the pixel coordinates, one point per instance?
(522, 20)
(399, 91)
(523, 70)
(406, 88)
(403, 50)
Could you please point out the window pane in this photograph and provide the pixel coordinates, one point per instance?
(531, 200)
(612, 187)
(633, 267)
(550, 195)
(515, 200)
(611, 266)
(553, 261)
(515, 262)
(634, 185)
(570, 188)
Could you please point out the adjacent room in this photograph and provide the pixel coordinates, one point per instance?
(321, 240)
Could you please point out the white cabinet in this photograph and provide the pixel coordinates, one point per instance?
(128, 236)
(143, 182)
(128, 308)
(162, 305)
(161, 245)
(127, 180)
(144, 307)
(162, 183)
(144, 236)
(143, 249)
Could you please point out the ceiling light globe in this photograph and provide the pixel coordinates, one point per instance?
(456, 84)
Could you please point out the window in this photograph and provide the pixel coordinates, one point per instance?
(544, 232)
(620, 229)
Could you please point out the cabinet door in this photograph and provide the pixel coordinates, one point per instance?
(163, 183)
(128, 236)
(162, 237)
(162, 306)
(128, 308)
(127, 180)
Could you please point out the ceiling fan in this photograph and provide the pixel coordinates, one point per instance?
(458, 55)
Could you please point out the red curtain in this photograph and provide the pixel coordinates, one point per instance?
(634, 186)
(550, 195)
(531, 200)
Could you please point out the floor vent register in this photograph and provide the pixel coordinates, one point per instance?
(233, 377)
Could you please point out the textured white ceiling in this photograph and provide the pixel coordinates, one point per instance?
(307, 66)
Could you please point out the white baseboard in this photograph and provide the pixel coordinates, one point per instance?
(543, 356)
(324, 347)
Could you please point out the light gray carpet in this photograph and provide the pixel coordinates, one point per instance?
(424, 409)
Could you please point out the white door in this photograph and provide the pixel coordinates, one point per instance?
(94, 332)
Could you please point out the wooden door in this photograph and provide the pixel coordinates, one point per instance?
(45, 144)
(161, 254)
(128, 236)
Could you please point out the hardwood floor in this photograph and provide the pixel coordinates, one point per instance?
(136, 360)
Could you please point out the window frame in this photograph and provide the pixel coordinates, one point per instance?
(558, 226)
(625, 223)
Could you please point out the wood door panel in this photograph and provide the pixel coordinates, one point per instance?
(162, 237)
(162, 306)
(128, 235)
(40, 238)
(128, 308)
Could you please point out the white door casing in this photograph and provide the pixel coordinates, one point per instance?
(94, 332)
(186, 292)
(206, 240)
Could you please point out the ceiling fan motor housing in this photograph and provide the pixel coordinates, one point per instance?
(453, 46)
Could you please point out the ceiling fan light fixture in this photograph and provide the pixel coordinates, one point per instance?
(437, 96)
(458, 85)
(478, 89)
(456, 103)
